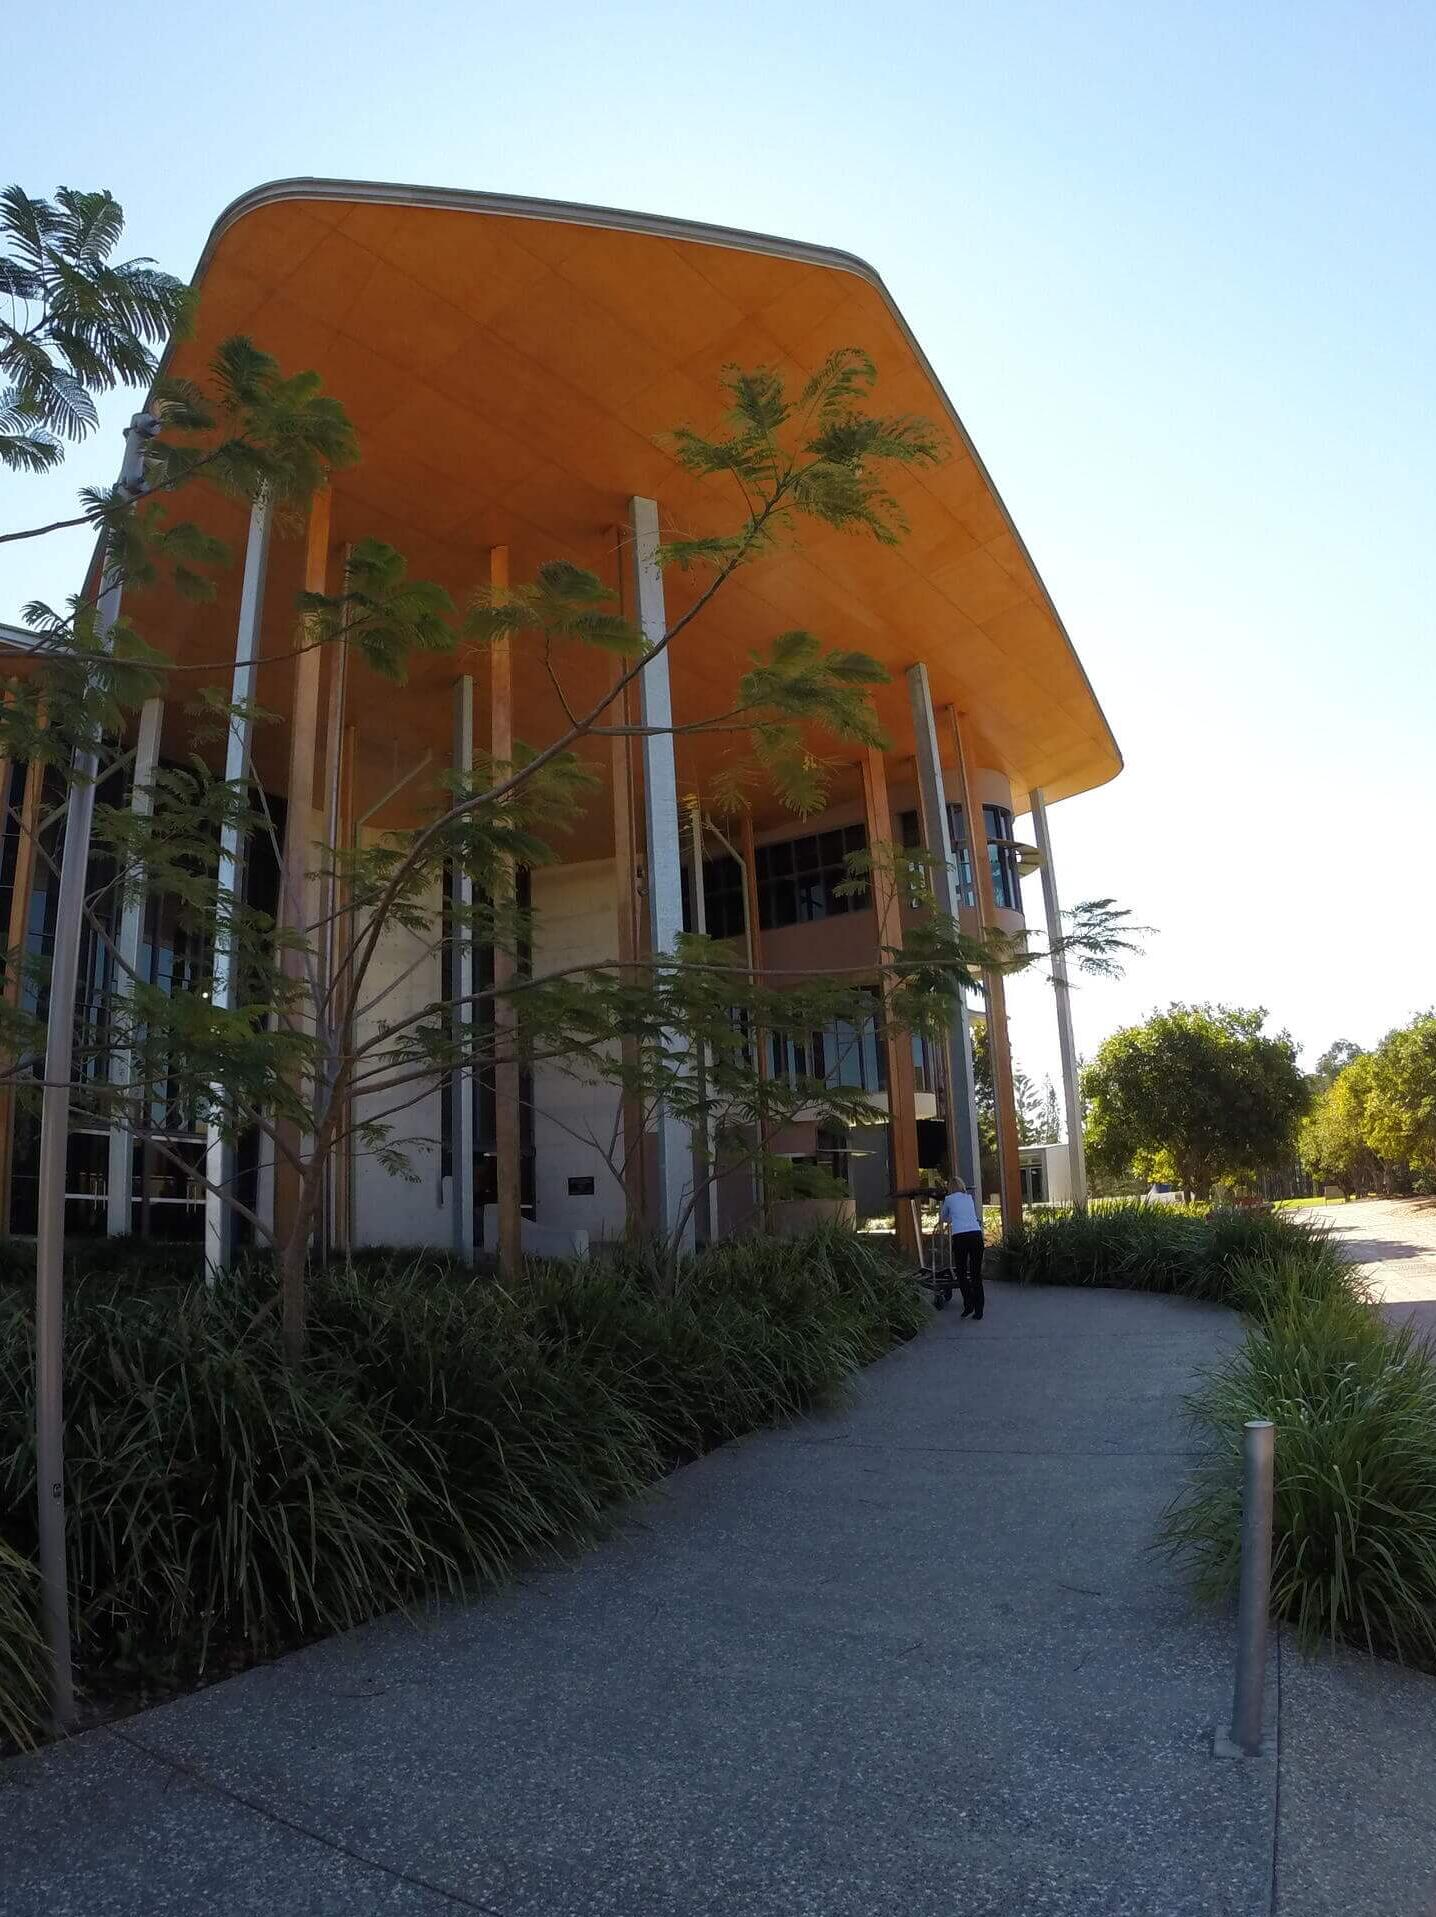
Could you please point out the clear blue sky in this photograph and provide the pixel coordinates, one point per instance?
(1175, 264)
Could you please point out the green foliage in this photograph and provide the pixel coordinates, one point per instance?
(1335, 1059)
(382, 613)
(1196, 1094)
(1100, 936)
(564, 602)
(250, 428)
(1401, 1107)
(1354, 1403)
(73, 321)
(1334, 1141)
(820, 454)
(1373, 1117)
(1186, 1251)
(442, 1430)
(22, 1651)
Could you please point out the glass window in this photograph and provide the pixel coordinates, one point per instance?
(818, 863)
(1002, 857)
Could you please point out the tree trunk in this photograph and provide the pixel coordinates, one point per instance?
(291, 1292)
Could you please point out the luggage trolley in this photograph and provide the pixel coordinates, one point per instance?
(934, 1251)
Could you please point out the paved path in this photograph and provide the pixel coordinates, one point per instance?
(1394, 1240)
(912, 1660)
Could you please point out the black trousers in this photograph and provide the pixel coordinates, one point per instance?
(967, 1248)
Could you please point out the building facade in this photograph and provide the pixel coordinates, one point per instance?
(511, 367)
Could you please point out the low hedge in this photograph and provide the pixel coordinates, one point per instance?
(1185, 1250)
(443, 1429)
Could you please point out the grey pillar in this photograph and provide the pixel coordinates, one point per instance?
(705, 1205)
(219, 1157)
(127, 959)
(1062, 992)
(461, 1080)
(937, 837)
(665, 859)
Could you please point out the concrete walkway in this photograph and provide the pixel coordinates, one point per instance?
(1394, 1242)
(913, 1660)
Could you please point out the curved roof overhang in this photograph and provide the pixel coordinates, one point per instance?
(510, 365)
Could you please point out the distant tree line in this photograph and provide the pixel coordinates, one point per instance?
(1372, 1122)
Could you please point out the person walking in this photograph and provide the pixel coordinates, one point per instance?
(960, 1215)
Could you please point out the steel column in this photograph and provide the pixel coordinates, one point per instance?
(219, 1157)
(665, 858)
(1062, 993)
(118, 1201)
(999, 1044)
(937, 838)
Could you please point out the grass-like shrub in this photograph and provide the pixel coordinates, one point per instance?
(1187, 1251)
(1354, 1404)
(22, 1690)
(443, 1429)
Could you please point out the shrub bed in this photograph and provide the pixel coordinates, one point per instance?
(1354, 1532)
(1186, 1250)
(443, 1429)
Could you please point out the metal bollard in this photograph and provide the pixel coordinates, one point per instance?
(1254, 1597)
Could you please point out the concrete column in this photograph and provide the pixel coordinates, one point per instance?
(461, 976)
(903, 1168)
(947, 889)
(703, 1141)
(127, 959)
(219, 1157)
(665, 862)
(1062, 992)
(999, 1045)
(753, 934)
(625, 882)
(339, 831)
(508, 1141)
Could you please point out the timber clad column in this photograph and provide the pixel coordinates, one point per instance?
(219, 1157)
(296, 903)
(507, 1133)
(127, 960)
(963, 1137)
(665, 859)
(1062, 992)
(999, 1044)
(461, 982)
(902, 1109)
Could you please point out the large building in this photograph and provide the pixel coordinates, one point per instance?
(511, 367)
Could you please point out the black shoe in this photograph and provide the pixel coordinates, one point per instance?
(969, 1303)
(979, 1300)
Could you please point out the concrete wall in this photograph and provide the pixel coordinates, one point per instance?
(575, 922)
(388, 1210)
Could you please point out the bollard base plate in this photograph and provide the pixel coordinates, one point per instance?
(1222, 1745)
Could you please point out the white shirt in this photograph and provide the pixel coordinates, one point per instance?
(958, 1211)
